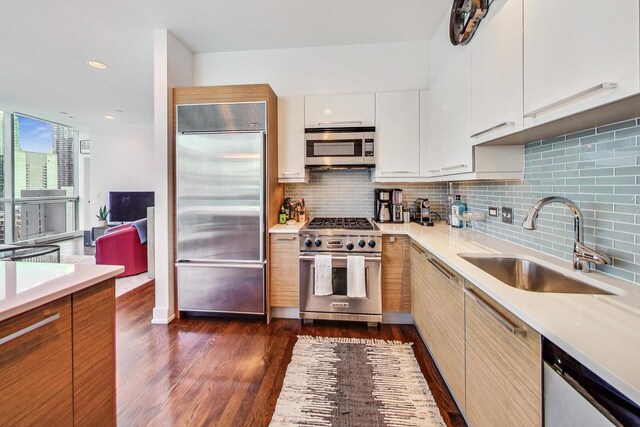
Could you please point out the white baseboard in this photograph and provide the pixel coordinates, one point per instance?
(397, 318)
(285, 312)
(161, 316)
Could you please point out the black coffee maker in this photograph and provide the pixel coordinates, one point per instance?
(382, 205)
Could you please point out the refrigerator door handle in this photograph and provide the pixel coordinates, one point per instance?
(263, 208)
(220, 264)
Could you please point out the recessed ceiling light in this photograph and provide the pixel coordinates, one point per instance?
(108, 117)
(97, 64)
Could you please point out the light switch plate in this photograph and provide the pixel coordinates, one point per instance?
(507, 215)
(493, 211)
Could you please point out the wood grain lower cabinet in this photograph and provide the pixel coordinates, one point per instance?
(447, 333)
(284, 270)
(94, 349)
(396, 274)
(36, 367)
(503, 366)
(61, 370)
(421, 291)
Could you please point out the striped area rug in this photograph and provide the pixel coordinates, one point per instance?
(123, 284)
(354, 382)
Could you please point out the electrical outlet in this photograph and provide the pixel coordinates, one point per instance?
(507, 215)
(493, 211)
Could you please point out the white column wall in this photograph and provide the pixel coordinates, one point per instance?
(173, 67)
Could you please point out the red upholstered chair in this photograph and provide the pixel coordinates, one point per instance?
(121, 246)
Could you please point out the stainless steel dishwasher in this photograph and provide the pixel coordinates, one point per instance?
(575, 396)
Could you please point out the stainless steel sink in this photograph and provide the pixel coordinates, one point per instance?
(528, 275)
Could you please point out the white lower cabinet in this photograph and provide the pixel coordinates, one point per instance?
(397, 135)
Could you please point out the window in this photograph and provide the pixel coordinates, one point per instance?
(43, 176)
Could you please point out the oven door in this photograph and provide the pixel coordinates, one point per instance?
(339, 302)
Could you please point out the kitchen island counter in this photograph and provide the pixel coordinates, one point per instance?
(601, 331)
(26, 285)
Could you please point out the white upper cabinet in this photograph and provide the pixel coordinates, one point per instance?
(456, 144)
(398, 135)
(496, 80)
(578, 55)
(291, 139)
(430, 160)
(339, 110)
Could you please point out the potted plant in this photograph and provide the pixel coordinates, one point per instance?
(103, 213)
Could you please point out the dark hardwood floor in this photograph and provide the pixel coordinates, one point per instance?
(224, 372)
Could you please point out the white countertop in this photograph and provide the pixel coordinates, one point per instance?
(27, 285)
(600, 331)
(286, 228)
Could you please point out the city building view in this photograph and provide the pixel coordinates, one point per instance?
(43, 168)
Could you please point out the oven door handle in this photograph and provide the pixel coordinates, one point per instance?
(311, 258)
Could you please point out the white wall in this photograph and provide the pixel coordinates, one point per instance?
(172, 67)
(337, 69)
(121, 160)
(84, 186)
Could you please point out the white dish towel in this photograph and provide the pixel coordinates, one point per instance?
(356, 284)
(323, 280)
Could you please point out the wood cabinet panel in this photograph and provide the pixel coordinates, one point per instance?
(503, 370)
(94, 355)
(447, 328)
(396, 274)
(420, 291)
(36, 386)
(284, 270)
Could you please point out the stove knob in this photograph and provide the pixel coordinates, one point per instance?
(362, 243)
(372, 243)
(349, 246)
(307, 242)
(318, 243)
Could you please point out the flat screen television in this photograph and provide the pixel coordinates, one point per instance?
(126, 206)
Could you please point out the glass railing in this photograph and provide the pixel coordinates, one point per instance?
(37, 218)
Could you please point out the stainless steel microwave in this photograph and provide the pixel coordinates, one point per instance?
(353, 146)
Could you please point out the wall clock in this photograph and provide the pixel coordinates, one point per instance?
(465, 19)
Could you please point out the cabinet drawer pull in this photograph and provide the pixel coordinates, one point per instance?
(433, 170)
(348, 122)
(493, 129)
(515, 330)
(447, 168)
(288, 238)
(442, 269)
(290, 173)
(29, 328)
(571, 98)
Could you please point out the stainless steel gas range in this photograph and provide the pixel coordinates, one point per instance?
(343, 240)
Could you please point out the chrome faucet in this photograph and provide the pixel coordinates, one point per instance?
(582, 255)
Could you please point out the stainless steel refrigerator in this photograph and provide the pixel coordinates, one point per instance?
(220, 196)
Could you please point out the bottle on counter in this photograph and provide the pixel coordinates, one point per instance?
(457, 208)
(282, 218)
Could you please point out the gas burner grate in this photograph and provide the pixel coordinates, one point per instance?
(341, 223)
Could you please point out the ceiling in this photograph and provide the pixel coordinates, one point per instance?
(45, 45)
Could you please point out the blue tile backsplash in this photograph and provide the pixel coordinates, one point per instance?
(599, 169)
